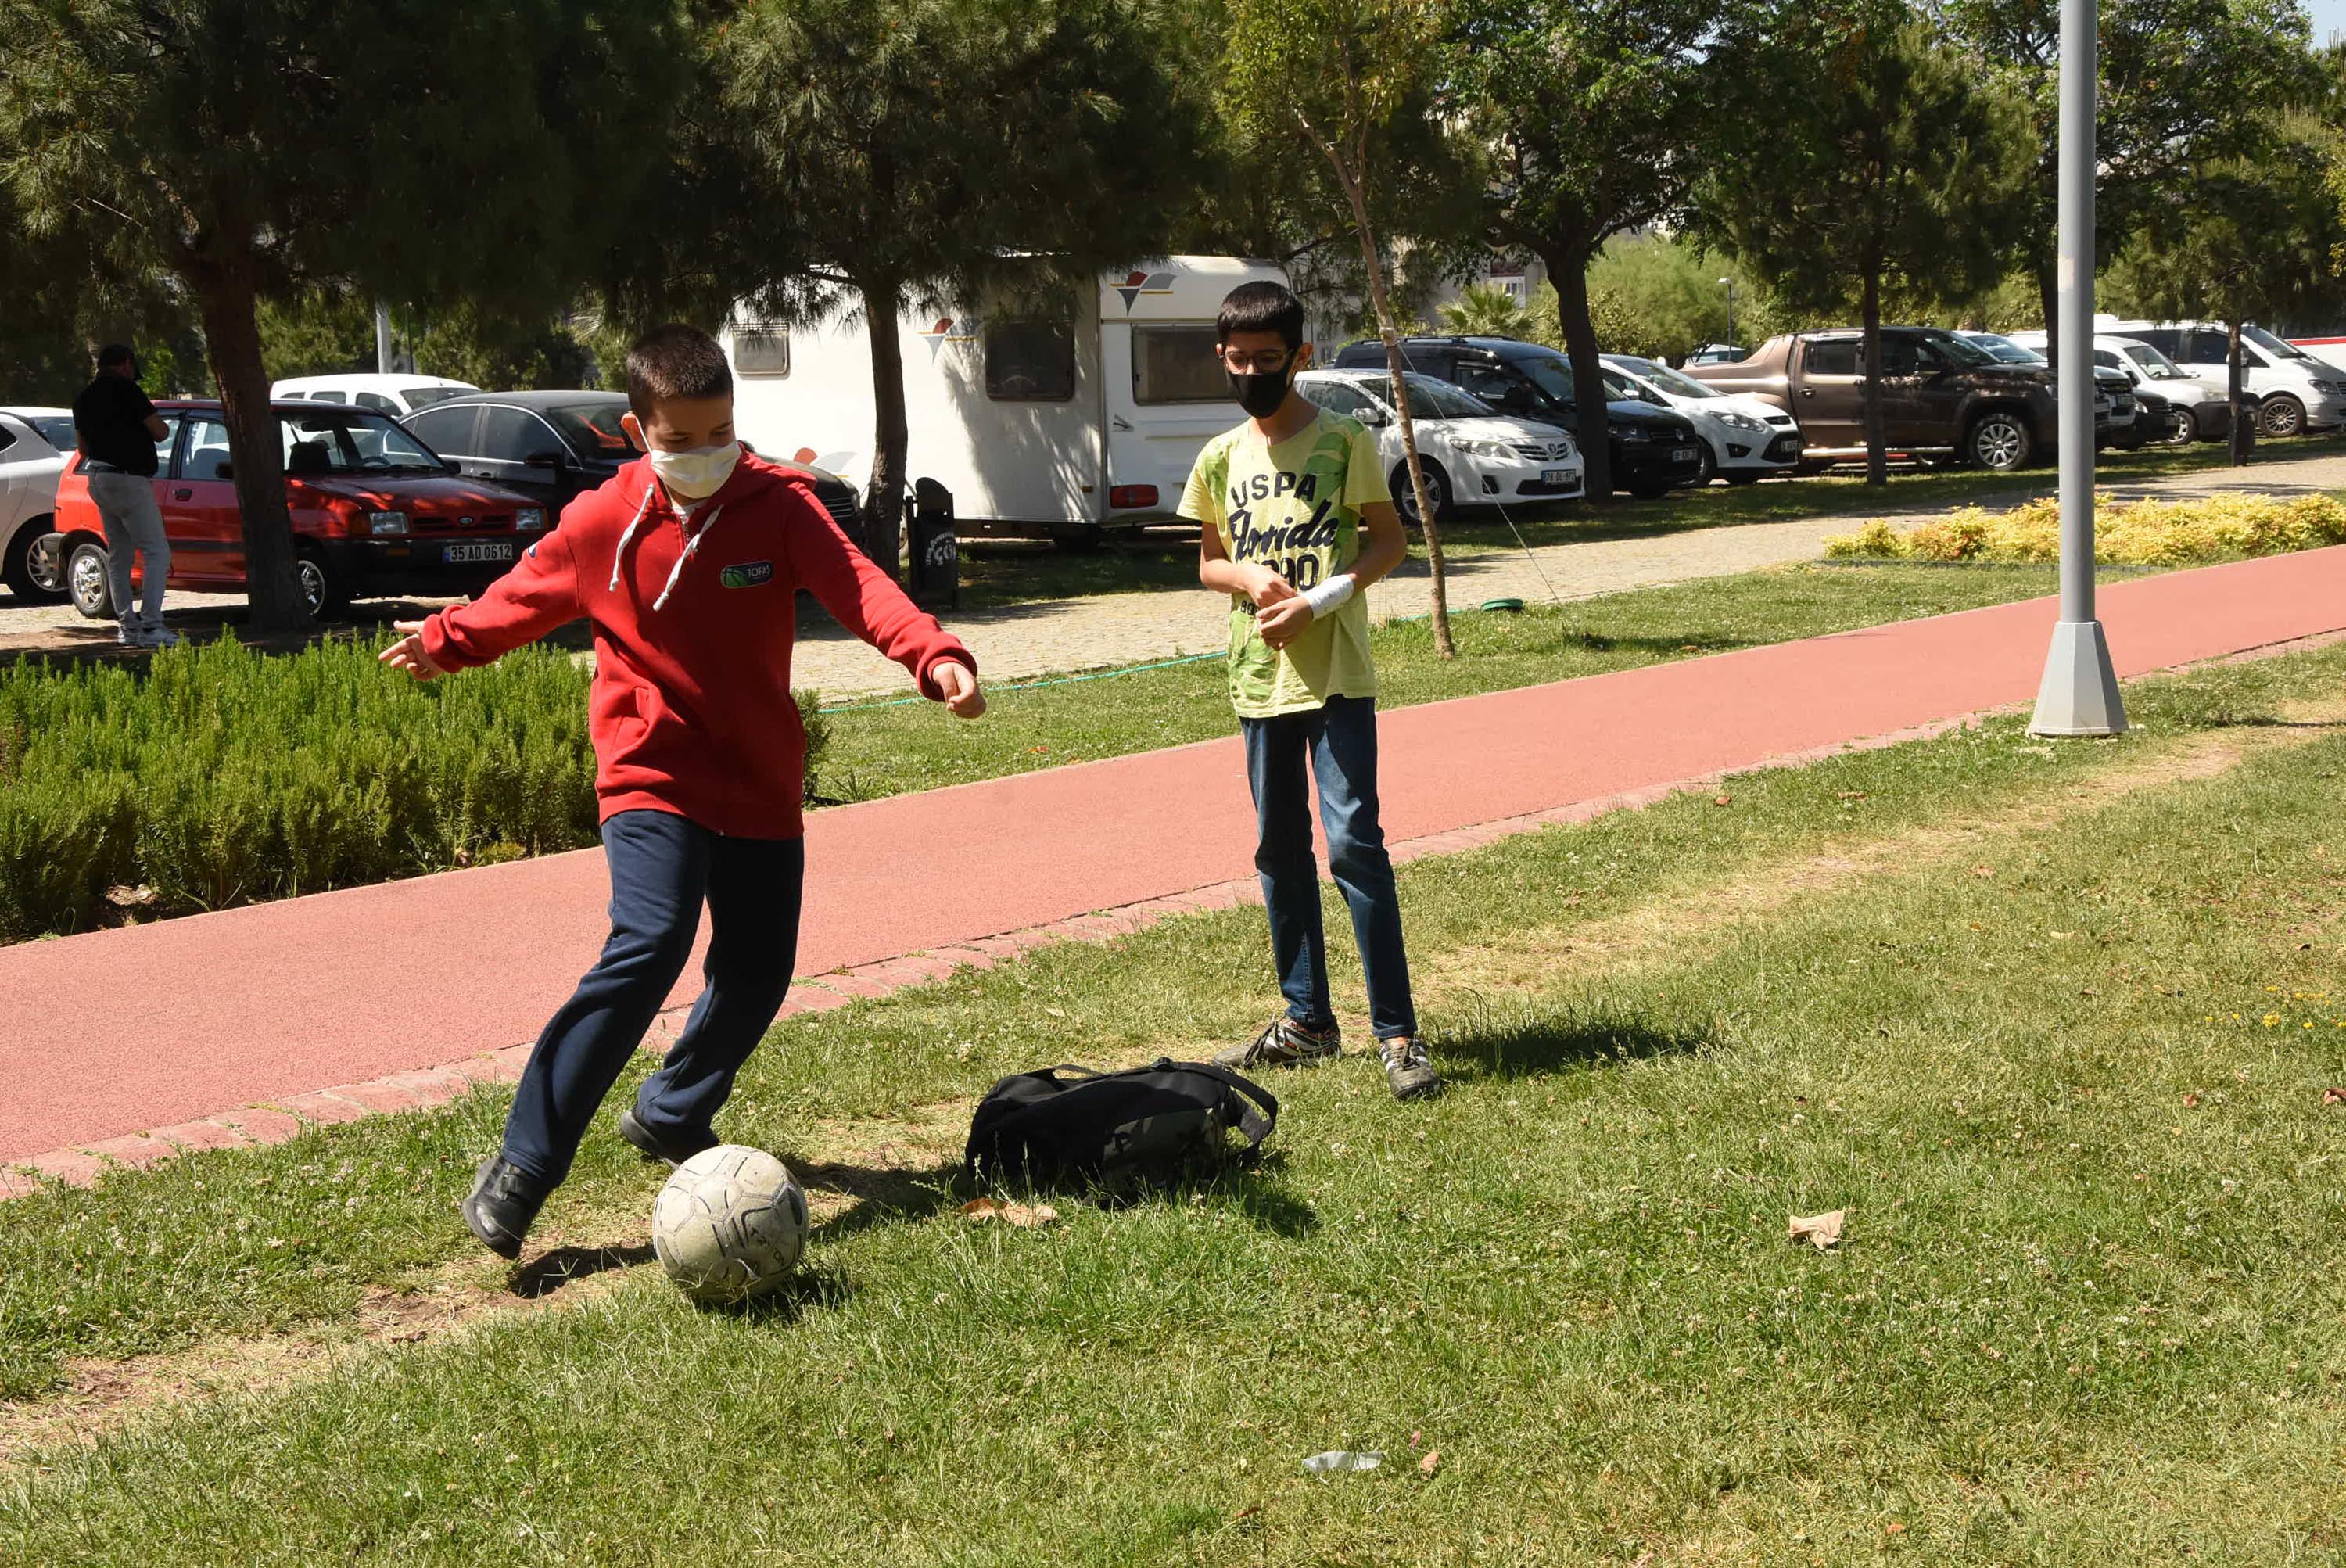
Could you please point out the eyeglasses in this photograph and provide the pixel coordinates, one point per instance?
(1262, 362)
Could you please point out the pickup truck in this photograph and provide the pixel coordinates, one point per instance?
(1941, 396)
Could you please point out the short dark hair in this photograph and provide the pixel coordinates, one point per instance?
(114, 354)
(1260, 306)
(675, 360)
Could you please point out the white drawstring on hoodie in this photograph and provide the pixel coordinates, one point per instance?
(691, 540)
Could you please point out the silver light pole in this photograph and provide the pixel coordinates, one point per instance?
(382, 338)
(2080, 691)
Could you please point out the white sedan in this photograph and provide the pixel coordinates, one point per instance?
(33, 446)
(1744, 438)
(1473, 454)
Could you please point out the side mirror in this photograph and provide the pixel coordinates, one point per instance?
(1375, 418)
(548, 459)
(225, 470)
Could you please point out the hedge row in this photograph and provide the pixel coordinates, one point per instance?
(217, 776)
(2132, 534)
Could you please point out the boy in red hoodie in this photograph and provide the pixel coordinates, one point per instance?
(686, 561)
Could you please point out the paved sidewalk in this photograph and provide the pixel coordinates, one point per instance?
(1023, 641)
(400, 994)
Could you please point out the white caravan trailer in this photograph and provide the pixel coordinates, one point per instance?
(1038, 428)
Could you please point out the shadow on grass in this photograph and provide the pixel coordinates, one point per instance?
(881, 1193)
(1236, 1187)
(808, 1290)
(542, 1276)
(1533, 1049)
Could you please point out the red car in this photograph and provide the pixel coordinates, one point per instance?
(376, 512)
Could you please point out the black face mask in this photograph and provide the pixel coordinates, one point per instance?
(1261, 392)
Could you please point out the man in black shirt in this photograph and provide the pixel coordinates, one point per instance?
(115, 430)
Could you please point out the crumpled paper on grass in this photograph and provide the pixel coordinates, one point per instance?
(1822, 1230)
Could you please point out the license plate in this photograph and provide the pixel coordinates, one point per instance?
(1556, 476)
(1682, 454)
(487, 550)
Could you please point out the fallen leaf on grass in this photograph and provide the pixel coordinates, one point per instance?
(2190, 1101)
(1983, 871)
(1432, 1461)
(1026, 1216)
(2333, 1096)
(1823, 1230)
(1721, 800)
(1853, 795)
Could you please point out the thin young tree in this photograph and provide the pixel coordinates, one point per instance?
(1894, 161)
(419, 150)
(1333, 79)
(1599, 115)
(963, 156)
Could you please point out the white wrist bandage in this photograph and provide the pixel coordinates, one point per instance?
(1330, 595)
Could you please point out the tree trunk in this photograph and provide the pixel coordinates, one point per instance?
(1444, 644)
(1877, 459)
(227, 301)
(884, 503)
(2244, 426)
(1568, 270)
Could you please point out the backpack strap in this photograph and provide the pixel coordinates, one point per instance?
(1254, 1126)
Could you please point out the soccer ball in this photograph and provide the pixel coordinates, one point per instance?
(729, 1224)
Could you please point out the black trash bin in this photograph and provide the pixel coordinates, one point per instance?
(935, 552)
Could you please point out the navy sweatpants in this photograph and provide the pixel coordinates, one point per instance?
(663, 868)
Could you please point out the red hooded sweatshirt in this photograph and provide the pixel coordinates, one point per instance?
(691, 711)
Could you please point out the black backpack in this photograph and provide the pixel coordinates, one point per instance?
(1069, 1124)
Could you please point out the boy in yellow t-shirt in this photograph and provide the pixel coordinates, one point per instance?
(1294, 520)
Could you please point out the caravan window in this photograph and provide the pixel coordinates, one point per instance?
(1176, 364)
(1030, 361)
(761, 350)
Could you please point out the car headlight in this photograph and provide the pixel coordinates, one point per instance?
(529, 519)
(2324, 387)
(1741, 421)
(382, 522)
(1481, 446)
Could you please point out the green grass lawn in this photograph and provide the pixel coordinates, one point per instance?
(1000, 573)
(2053, 1025)
(887, 746)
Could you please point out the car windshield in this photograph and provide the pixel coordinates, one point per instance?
(424, 397)
(1959, 351)
(593, 429)
(2004, 348)
(1551, 376)
(2154, 365)
(1430, 399)
(2279, 348)
(353, 441)
(1677, 384)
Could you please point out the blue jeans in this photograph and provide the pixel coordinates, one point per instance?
(662, 868)
(1340, 740)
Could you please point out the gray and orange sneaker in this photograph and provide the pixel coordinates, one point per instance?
(1407, 1071)
(1284, 1044)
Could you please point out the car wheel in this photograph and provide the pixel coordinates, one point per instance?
(1706, 464)
(2284, 415)
(1999, 440)
(322, 592)
(34, 569)
(1087, 542)
(2185, 430)
(1437, 491)
(87, 582)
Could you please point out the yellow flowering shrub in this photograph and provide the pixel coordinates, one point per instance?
(2126, 533)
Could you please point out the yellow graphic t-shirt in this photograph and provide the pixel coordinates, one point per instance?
(1293, 506)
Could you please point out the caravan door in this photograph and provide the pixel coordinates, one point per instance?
(1166, 396)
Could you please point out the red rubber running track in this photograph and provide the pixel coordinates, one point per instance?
(119, 1030)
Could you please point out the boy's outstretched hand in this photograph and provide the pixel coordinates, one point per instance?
(408, 653)
(957, 684)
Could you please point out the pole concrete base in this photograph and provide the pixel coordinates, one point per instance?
(2080, 694)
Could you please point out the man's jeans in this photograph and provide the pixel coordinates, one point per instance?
(1340, 740)
(662, 868)
(125, 505)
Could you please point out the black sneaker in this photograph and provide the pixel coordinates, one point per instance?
(500, 1205)
(1411, 1075)
(655, 1147)
(1284, 1044)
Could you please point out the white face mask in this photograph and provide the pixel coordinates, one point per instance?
(699, 472)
